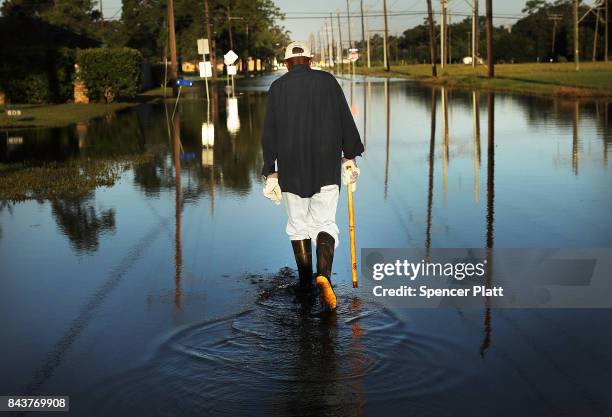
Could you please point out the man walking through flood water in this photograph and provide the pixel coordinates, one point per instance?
(309, 142)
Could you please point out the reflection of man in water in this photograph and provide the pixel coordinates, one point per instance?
(309, 134)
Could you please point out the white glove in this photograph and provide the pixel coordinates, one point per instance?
(350, 172)
(272, 190)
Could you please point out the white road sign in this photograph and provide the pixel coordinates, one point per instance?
(205, 69)
(353, 54)
(203, 46)
(231, 70)
(230, 57)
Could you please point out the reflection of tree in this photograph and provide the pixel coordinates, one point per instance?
(79, 220)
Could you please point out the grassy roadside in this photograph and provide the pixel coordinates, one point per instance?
(593, 79)
(56, 115)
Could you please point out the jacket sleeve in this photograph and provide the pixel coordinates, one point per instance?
(269, 137)
(351, 142)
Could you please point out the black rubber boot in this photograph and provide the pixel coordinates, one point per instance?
(302, 249)
(325, 254)
(325, 258)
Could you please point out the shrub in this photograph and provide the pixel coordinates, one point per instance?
(109, 72)
(37, 75)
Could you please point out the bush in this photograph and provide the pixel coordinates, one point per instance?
(37, 75)
(109, 72)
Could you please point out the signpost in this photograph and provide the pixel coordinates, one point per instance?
(353, 56)
(229, 58)
(206, 70)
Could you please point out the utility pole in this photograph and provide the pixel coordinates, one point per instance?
(385, 39)
(576, 39)
(594, 55)
(555, 17)
(211, 44)
(172, 35)
(331, 25)
(490, 59)
(340, 52)
(229, 26)
(474, 32)
(606, 35)
(321, 49)
(330, 51)
(443, 6)
(432, 40)
(368, 42)
(348, 18)
(362, 27)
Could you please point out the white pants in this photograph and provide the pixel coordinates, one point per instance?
(309, 216)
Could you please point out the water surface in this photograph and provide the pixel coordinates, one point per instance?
(167, 293)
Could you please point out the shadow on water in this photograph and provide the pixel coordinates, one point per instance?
(285, 356)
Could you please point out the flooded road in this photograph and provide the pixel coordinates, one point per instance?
(167, 293)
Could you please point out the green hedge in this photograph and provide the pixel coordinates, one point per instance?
(109, 72)
(37, 75)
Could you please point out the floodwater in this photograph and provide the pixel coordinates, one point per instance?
(170, 292)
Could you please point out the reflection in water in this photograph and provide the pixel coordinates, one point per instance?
(476, 118)
(388, 135)
(575, 139)
(79, 220)
(276, 357)
(445, 144)
(178, 207)
(486, 342)
(282, 357)
(430, 187)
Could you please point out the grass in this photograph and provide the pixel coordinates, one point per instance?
(56, 115)
(593, 79)
(70, 179)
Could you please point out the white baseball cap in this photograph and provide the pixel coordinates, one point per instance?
(297, 44)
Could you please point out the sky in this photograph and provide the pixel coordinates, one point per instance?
(304, 17)
(296, 12)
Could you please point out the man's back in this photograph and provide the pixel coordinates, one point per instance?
(308, 126)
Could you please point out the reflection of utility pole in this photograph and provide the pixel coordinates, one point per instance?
(172, 35)
(490, 167)
(476, 156)
(555, 18)
(388, 128)
(432, 146)
(575, 144)
(386, 39)
(178, 257)
(445, 144)
(432, 40)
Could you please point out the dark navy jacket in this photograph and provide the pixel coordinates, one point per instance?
(307, 129)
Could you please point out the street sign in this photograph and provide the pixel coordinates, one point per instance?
(230, 57)
(231, 70)
(203, 46)
(184, 83)
(353, 54)
(205, 69)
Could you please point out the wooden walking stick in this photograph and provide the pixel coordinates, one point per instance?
(351, 214)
